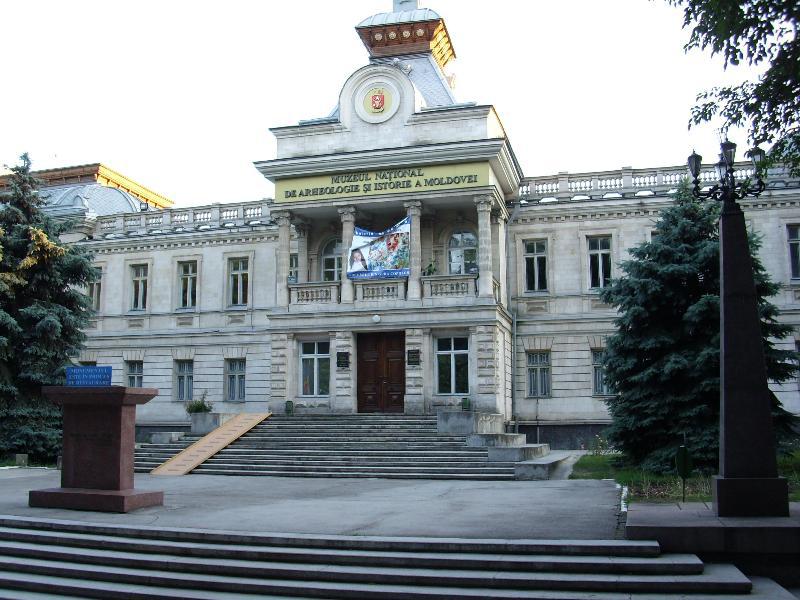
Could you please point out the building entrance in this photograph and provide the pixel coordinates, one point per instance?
(381, 371)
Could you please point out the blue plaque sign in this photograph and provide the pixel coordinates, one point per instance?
(88, 376)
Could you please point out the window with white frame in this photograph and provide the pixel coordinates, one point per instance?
(462, 253)
(794, 249)
(184, 380)
(293, 267)
(235, 379)
(238, 277)
(538, 374)
(452, 365)
(134, 371)
(536, 266)
(187, 284)
(599, 261)
(315, 368)
(139, 287)
(332, 261)
(599, 385)
(94, 290)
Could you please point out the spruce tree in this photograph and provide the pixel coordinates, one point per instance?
(42, 307)
(663, 360)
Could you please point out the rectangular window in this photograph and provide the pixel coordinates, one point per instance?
(237, 281)
(94, 290)
(187, 281)
(599, 386)
(315, 368)
(139, 280)
(536, 266)
(134, 370)
(452, 365)
(794, 250)
(599, 261)
(234, 380)
(293, 268)
(184, 380)
(538, 374)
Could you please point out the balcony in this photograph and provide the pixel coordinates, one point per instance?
(437, 290)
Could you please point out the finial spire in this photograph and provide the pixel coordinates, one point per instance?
(401, 5)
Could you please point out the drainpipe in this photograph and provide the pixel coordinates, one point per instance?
(520, 203)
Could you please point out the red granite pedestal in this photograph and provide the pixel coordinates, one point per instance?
(99, 436)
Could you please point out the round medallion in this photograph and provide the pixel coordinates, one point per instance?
(378, 36)
(376, 101)
(406, 34)
(392, 35)
(420, 32)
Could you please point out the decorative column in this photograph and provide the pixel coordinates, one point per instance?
(414, 210)
(302, 228)
(348, 216)
(283, 219)
(484, 205)
(499, 224)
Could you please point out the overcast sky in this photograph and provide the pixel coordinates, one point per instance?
(180, 95)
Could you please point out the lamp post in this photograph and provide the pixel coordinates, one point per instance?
(748, 482)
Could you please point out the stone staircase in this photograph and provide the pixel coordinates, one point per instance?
(42, 558)
(387, 446)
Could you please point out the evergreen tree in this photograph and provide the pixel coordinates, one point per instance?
(42, 307)
(663, 361)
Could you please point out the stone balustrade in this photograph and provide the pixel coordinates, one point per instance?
(448, 286)
(200, 218)
(628, 182)
(380, 289)
(320, 292)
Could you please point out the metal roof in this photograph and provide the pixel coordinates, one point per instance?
(403, 16)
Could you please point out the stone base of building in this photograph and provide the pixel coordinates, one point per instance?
(569, 436)
(116, 501)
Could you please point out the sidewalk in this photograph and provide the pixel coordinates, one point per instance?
(555, 509)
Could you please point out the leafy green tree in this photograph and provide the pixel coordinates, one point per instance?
(755, 32)
(42, 307)
(663, 359)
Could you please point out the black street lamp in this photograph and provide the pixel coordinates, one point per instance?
(748, 482)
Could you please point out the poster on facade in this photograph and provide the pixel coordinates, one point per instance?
(382, 254)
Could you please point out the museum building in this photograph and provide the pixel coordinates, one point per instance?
(473, 280)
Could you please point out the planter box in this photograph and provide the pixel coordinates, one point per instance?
(203, 423)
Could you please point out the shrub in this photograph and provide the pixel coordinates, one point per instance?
(199, 406)
(32, 430)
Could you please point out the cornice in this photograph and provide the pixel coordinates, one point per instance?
(495, 150)
(147, 243)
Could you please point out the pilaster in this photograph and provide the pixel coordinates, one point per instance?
(414, 402)
(302, 228)
(484, 206)
(414, 210)
(344, 378)
(348, 216)
(283, 219)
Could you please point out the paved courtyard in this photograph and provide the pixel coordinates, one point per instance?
(555, 509)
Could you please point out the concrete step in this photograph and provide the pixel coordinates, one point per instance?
(540, 468)
(388, 583)
(268, 472)
(387, 468)
(12, 540)
(335, 460)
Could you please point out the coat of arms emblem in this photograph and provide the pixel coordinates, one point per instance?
(378, 101)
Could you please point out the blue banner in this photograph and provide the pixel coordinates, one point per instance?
(381, 254)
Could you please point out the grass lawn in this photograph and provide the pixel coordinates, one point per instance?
(644, 486)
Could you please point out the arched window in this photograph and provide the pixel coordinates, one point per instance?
(332, 260)
(462, 253)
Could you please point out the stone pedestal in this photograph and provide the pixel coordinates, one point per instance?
(98, 454)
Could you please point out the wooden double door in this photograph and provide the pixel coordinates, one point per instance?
(381, 371)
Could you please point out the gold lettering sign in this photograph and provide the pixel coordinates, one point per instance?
(382, 181)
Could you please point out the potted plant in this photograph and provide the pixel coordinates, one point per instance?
(199, 412)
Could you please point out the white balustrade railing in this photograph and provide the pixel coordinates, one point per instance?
(382, 289)
(444, 286)
(319, 292)
(630, 181)
(182, 219)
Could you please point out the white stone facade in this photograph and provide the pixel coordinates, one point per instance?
(265, 301)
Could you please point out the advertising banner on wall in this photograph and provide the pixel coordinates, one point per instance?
(382, 254)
